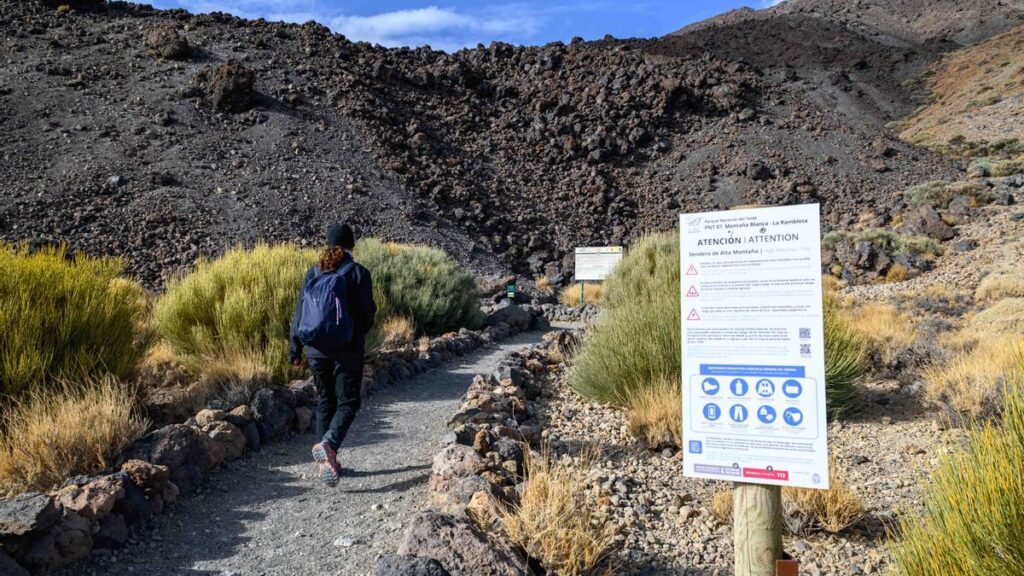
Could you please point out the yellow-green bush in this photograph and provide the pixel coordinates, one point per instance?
(636, 341)
(60, 317)
(240, 304)
(974, 506)
(422, 284)
(845, 361)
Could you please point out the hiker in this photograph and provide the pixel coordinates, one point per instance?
(333, 314)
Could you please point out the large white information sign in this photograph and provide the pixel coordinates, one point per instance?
(596, 263)
(753, 349)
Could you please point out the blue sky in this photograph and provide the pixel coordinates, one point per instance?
(453, 24)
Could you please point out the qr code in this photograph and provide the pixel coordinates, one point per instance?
(805, 349)
(805, 333)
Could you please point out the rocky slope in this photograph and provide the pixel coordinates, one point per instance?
(128, 133)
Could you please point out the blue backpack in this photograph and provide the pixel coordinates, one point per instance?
(327, 323)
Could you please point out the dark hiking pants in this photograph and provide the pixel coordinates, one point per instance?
(340, 398)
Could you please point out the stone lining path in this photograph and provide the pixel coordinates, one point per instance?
(268, 515)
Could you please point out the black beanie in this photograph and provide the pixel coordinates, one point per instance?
(341, 235)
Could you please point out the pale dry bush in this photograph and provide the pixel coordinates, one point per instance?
(1000, 285)
(655, 413)
(1004, 317)
(887, 332)
(65, 430)
(833, 510)
(721, 505)
(593, 293)
(556, 521)
(972, 381)
(397, 331)
(543, 284)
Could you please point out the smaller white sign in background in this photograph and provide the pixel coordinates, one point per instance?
(596, 263)
(753, 348)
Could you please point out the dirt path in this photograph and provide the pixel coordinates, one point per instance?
(267, 514)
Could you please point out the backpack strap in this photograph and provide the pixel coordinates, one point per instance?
(344, 269)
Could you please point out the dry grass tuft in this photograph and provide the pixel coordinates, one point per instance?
(886, 332)
(64, 431)
(593, 293)
(897, 273)
(1003, 317)
(1000, 285)
(555, 521)
(397, 331)
(543, 284)
(721, 506)
(972, 381)
(833, 510)
(655, 413)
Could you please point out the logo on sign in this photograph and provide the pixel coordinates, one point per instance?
(696, 447)
(739, 387)
(710, 386)
(765, 388)
(691, 271)
(693, 316)
(692, 292)
(766, 414)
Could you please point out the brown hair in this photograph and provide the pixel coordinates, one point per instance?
(331, 258)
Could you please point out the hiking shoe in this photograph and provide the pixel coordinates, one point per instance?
(327, 463)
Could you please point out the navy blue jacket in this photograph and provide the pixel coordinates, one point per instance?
(360, 289)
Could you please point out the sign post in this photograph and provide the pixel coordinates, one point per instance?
(753, 365)
(595, 263)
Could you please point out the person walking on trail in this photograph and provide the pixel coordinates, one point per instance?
(333, 314)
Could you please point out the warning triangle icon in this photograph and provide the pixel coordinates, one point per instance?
(693, 315)
(691, 271)
(692, 292)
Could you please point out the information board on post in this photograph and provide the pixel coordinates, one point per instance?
(595, 263)
(753, 347)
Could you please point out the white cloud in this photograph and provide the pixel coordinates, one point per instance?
(770, 3)
(442, 28)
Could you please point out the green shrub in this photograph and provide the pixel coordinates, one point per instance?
(974, 506)
(636, 340)
(422, 284)
(961, 148)
(64, 318)
(996, 168)
(939, 193)
(240, 304)
(890, 241)
(845, 361)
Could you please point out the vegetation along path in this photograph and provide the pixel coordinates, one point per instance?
(269, 515)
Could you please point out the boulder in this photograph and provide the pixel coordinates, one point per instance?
(452, 495)
(229, 87)
(226, 439)
(303, 418)
(111, 532)
(457, 460)
(460, 547)
(927, 221)
(483, 509)
(8, 567)
(305, 392)
(172, 446)
(165, 42)
(404, 565)
(69, 540)
(27, 513)
(133, 506)
(512, 315)
(95, 499)
(252, 436)
(273, 410)
(207, 417)
(151, 478)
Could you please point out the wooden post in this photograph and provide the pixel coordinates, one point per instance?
(756, 529)
(583, 294)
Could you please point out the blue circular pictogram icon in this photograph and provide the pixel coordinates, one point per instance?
(793, 416)
(712, 412)
(710, 386)
(739, 387)
(738, 413)
(792, 388)
(765, 388)
(766, 414)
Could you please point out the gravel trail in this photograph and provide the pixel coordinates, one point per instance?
(267, 514)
